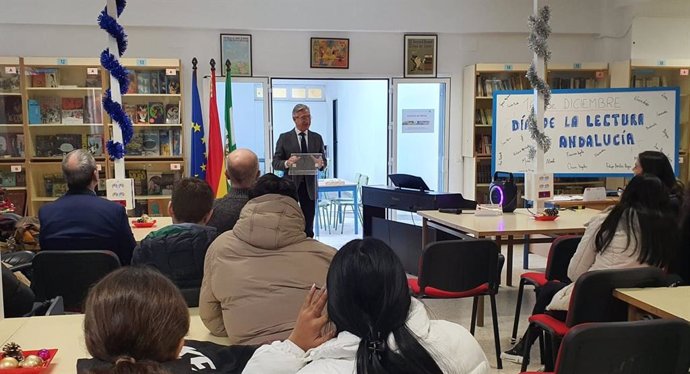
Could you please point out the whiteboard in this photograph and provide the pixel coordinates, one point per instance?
(594, 132)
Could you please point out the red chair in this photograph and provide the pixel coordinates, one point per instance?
(561, 251)
(592, 301)
(656, 346)
(456, 269)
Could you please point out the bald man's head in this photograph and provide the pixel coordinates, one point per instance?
(242, 168)
(79, 169)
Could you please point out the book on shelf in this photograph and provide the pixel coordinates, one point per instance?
(133, 87)
(164, 137)
(173, 83)
(8, 178)
(151, 144)
(157, 207)
(140, 181)
(9, 82)
(18, 198)
(11, 110)
(156, 113)
(163, 81)
(21, 179)
(154, 82)
(54, 185)
(34, 112)
(141, 207)
(142, 113)
(19, 145)
(94, 144)
(57, 145)
(155, 181)
(51, 111)
(131, 111)
(172, 114)
(38, 79)
(168, 181)
(93, 80)
(93, 112)
(135, 147)
(144, 82)
(72, 110)
(11, 144)
(177, 142)
(52, 79)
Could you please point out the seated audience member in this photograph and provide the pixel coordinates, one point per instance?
(242, 169)
(681, 264)
(178, 250)
(80, 220)
(379, 327)
(135, 322)
(17, 297)
(657, 164)
(640, 230)
(257, 274)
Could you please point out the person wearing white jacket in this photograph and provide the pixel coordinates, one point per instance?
(379, 328)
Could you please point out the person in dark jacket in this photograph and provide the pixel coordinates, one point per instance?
(242, 170)
(80, 220)
(17, 298)
(135, 322)
(178, 250)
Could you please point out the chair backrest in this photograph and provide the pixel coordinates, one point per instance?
(657, 346)
(561, 251)
(459, 265)
(592, 297)
(70, 274)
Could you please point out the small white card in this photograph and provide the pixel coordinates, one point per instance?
(10, 70)
(16, 168)
(175, 166)
(170, 71)
(92, 71)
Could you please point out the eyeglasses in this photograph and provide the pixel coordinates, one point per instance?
(308, 116)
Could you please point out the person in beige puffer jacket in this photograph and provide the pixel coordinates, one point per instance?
(257, 274)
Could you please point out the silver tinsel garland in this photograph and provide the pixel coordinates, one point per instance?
(539, 33)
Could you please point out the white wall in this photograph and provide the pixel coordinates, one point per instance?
(661, 38)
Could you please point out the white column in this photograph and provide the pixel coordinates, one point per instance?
(115, 93)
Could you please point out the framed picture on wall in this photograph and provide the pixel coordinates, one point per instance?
(330, 53)
(237, 48)
(420, 56)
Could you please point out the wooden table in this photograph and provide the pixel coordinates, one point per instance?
(66, 333)
(140, 233)
(662, 302)
(508, 226)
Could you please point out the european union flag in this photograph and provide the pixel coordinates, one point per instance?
(199, 155)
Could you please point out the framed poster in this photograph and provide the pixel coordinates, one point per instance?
(237, 48)
(330, 53)
(420, 56)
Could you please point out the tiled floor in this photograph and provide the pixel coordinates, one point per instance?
(459, 311)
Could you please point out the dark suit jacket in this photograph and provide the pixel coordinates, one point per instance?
(82, 220)
(288, 144)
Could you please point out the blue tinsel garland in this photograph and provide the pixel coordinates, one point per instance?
(116, 150)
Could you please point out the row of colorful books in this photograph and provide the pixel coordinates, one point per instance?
(11, 179)
(54, 185)
(153, 82)
(59, 145)
(153, 113)
(153, 142)
(147, 182)
(66, 110)
(152, 207)
(11, 110)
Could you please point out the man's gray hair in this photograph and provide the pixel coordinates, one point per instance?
(79, 171)
(299, 108)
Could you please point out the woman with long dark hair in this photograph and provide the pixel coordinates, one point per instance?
(656, 163)
(379, 327)
(639, 231)
(135, 322)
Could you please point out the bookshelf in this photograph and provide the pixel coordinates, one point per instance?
(155, 156)
(480, 81)
(12, 138)
(61, 110)
(661, 73)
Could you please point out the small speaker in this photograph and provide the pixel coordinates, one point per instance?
(503, 190)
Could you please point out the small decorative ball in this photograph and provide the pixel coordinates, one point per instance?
(44, 354)
(32, 361)
(9, 363)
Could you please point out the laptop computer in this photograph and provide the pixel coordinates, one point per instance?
(408, 181)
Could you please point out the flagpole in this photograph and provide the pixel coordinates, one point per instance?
(228, 116)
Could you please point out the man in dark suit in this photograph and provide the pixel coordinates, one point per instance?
(80, 220)
(301, 140)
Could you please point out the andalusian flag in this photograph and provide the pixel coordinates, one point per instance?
(215, 172)
(231, 145)
(198, 139)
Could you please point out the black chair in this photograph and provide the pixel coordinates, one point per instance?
(70, 274)
(592, 301)
(455, 269)
(657, 346)
(191, 296)
(19, 261)
(561, 251)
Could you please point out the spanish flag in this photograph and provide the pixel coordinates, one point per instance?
(215, 171)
